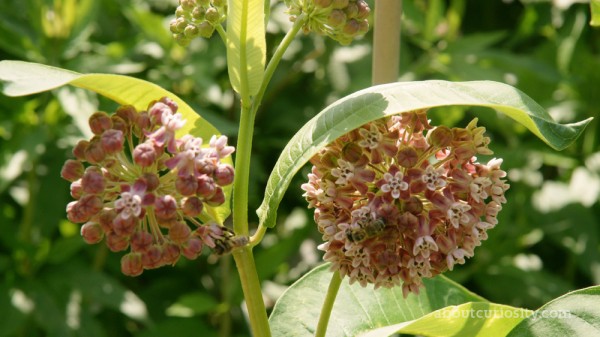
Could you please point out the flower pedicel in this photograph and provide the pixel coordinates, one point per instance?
(396, 205)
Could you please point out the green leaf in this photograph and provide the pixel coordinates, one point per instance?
(246, 46)
(25, 78)
(376, 102)
(574, 314)
(196, 303)
(595, 8)
(359, 310)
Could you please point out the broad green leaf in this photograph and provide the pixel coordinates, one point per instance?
(376, 102)
(25, 78)
(359, 310)
(195, 303)
(246, 46)
(595, 8)
(574, 314)
(474, 319)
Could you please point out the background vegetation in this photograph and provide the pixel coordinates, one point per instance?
(52, 284)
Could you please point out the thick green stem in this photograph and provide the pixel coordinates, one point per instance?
(386, 41)
(332, 291)
(257, 313)
(242, 171)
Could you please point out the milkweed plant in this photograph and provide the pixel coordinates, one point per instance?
(398, 201)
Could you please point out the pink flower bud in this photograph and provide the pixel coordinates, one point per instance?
(165, 207)
(206, 187)
(152, 181)
(179, 232)
(156, 112)
(94, 153)
(217, 199)
(363, 10)
(79, 149)
(106, 218)
(120, 124)
(124, 226)
(223, 174)
(186, 185)
(337, 18)
(128, 113)
(192, 206)
(440, 137)
(72, 170)
(93, 181)
(407, 157)
(144, 155)
(171, 253)
(92, 232)
(131, 264)
(112, 141)
(76, 189)
(100, 122)
(89, 205)
(140, 241)
(170, 103)
(152, 257)
(192, 248)
(116, 243)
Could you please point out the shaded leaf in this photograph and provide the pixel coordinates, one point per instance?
(574, 314)
(357, 309)
(376, 102)
(246, 46)
(25, 78)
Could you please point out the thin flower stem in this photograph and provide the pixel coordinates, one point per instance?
(274, 62)
(257, 313)
(222, 33)
(258, 235)
(334, 286)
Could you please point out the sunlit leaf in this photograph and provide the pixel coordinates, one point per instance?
(246, 48)
(359, 310)
(376, 102)
(574, 314)
(25, 78)
(595, 8)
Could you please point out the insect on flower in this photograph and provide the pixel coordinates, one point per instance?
(365, 230)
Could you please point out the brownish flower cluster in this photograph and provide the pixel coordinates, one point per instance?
(138, 186)
(398, 200)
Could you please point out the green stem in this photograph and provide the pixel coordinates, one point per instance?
(334, 286)
(274, 62)
(257, 313)
(222, 33)
(242, 171)
(386, 41)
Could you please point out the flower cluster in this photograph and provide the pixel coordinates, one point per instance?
(341, 20)
(139, 186)
(195, 18)
(398, 200)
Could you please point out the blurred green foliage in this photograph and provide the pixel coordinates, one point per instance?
(52, 284)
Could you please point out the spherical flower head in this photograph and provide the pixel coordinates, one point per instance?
(406, 203)
(142, 190)
(341, 20)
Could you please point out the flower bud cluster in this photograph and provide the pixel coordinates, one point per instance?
(398, 200)
(195, 18)
(341, 20)
(138, 186)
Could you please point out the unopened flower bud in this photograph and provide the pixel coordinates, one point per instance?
(76, 190)
(72, 170)
(165, 207)
(186, 185)
(131, 264)
(79, 149)
(140, 241)
(212, 15)
(337, 18)
(144, 154)
(206, 187)
(191, 31)
(170, 103)
(363, 10)
(171, 253)
(179, 232)
(192, 248)
(352, 27)
(151, 180)
(124, 226)
(100, 122)
(352, 152)
(120, 124)
(351, 11)
(92, 232)
(413, 205)
(407, 157)
(106, 218)
(92, 181)
(116, 243)
(152, 257)
(112, 141)
(339, 4)
(223, 174)
(198, 13)
(322, 3)
(205, 29)
(192, 206)
(440, 137)
(217, 199)
(187, 4)
(94, 152)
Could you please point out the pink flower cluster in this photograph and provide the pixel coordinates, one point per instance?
(138, 186)
(398, 200)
